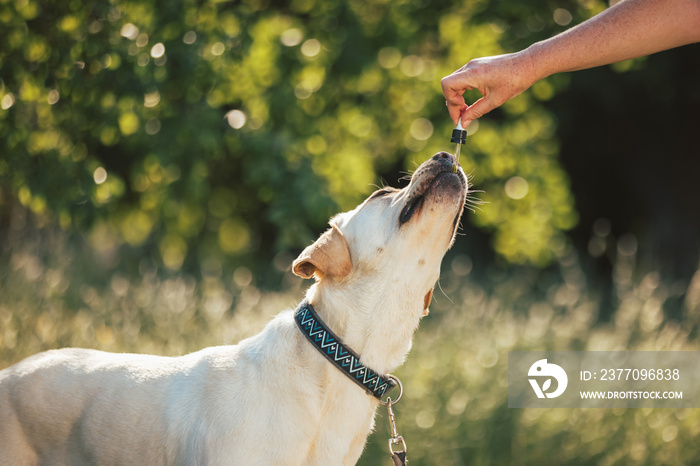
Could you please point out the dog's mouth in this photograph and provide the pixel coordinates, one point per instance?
(410, 208)
(427, 186)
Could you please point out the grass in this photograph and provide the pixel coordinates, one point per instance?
(54, 293)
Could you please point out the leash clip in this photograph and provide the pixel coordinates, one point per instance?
(395, 439)
(399, 456)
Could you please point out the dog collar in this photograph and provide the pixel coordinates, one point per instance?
(340, 355)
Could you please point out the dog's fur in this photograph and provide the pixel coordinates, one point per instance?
(272, 399)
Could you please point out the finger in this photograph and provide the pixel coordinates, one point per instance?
(455, 104)
(455, 111)
(464, 123)
(453, 86)
(460, 80)
(478, 109)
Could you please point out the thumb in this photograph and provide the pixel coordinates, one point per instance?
(478, 109)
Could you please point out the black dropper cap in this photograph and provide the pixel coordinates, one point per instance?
(459, 134)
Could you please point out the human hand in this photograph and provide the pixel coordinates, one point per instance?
(498, 78)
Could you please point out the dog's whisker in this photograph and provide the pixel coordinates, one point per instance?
(472, 202)
(445, 294)
(460, 226)
(407, 175)
(473, 209)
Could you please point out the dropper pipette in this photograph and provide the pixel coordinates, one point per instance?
(459, 136)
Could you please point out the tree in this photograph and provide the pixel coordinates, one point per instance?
(200, 130)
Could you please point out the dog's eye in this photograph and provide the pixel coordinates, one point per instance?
(383, 192)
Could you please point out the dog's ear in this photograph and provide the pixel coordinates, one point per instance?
(329, 255)
(426, 302)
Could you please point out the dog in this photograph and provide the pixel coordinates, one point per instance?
(272, 399)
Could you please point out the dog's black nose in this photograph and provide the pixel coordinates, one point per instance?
(444, 155)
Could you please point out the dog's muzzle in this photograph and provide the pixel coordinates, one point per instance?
(435, 176)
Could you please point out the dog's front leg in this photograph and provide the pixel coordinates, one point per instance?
(343, 433)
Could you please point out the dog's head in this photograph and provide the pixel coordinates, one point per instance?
(396, 237)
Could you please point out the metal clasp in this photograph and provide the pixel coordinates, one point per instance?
(398, 382)
(395, 439)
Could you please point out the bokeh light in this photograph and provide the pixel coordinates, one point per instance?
(236, 119)
(516, 187)
(100, 175)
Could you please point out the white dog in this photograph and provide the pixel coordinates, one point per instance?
(274, 398)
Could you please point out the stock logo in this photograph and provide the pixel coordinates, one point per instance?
(542, 369)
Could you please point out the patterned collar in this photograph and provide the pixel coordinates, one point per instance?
(340, 355)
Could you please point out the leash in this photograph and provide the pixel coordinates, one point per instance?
(399, 457)
(348, 362)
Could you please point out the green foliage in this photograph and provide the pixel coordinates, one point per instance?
(198, 130)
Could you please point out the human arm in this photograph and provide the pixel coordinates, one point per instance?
(629, 29)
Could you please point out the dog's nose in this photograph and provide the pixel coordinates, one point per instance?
(444, 155)
(447, 161)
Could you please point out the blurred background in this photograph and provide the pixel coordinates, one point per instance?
(162, 163)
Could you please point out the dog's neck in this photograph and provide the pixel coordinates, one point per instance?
(376, 327)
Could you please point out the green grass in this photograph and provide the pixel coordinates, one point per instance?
(53, 293)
